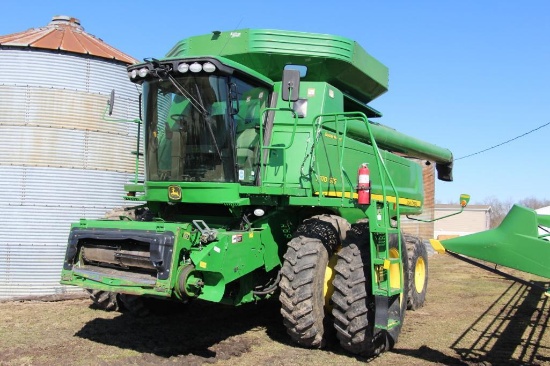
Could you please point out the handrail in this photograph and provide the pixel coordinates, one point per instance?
(137, 153)
(318, 124)
(381, 166)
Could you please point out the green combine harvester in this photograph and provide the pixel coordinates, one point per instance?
(265, 177)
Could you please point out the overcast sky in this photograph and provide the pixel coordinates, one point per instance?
(465, 75)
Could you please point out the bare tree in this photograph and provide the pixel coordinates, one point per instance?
(500, 208)
(534, 203)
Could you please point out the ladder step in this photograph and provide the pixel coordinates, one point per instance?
(384, 230)
(392, 291)
(386, 261)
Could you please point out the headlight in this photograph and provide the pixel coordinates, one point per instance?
(209, 67)
(195, 67)
(143, 72)
(183, 67)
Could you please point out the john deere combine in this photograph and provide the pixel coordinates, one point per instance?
(264, 176)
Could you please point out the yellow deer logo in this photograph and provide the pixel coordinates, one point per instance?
(174, 193)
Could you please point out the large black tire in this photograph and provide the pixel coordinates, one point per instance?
(352, 298)
(136, 305)
(302, 291)
(418, 272)
(354, 303)
(104, 300)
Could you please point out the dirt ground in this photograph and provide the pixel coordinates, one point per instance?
(471, 317)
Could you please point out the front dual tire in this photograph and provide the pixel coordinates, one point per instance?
(304, 290)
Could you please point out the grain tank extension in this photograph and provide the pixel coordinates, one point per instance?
(253, 144)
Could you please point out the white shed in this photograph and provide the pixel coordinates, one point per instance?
(473, 219)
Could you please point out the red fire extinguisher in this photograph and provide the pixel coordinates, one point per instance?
(363, 185)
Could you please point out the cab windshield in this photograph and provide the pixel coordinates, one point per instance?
(196, 132)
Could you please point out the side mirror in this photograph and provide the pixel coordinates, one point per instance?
(291, 85)
(111, 102)
(464, 200)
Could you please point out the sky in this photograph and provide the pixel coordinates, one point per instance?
(466, 75)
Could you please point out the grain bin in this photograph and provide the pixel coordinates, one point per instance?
(59, 160)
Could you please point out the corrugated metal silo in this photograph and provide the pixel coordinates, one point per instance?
(59, 160)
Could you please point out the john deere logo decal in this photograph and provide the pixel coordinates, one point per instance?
(174, 193)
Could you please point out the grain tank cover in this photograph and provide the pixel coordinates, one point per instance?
(339, 61)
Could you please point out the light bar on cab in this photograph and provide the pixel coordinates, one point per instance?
(142, 71)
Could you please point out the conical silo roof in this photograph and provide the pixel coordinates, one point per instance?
(64, 33)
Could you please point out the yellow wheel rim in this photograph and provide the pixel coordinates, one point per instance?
(395, 273)
(328, 288)
(420, 275)
(395, 270)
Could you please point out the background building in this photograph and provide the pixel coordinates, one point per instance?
(473, 219)
(59, 159)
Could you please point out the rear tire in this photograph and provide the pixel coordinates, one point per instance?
(302, 291)
(104, 300)
(418, 272)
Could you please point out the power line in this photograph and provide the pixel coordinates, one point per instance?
(505, 142)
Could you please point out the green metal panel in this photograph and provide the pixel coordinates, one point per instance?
(337, 60)
(232, 256)
(115, 284)
(515, 243)
(155, 226)
(196, 192)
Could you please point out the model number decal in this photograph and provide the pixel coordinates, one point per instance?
(332, 136)
(330, 180)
